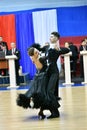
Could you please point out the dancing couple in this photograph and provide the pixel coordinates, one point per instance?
(41, 93)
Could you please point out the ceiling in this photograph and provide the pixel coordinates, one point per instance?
(16, 5)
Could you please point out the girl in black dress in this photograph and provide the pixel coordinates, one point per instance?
(35, 96)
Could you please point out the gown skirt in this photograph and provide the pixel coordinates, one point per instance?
(37, 92)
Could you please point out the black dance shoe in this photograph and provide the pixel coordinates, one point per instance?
(54, 115)
(41, 115)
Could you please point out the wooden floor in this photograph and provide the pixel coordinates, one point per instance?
(73, 112)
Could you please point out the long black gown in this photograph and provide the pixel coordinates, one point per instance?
(37, 89)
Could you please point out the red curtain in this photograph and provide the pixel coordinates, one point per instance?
(75, 39)
(7, 28)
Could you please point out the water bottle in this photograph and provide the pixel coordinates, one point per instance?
(20, 70)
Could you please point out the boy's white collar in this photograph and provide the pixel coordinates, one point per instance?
(52, 45)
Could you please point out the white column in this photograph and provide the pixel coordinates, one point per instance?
(84, 53)
(67, 69)
(12, 74)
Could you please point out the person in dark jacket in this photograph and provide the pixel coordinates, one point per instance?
(4, 48)
(83, 47)
(74, 57)
(15, 51)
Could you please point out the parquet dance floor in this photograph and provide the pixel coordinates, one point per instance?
(73, 111)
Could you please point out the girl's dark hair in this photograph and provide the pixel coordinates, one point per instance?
(37, 46)
(30, 51)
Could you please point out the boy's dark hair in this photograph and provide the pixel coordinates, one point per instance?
(56, 34)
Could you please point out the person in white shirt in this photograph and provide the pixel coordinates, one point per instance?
(15, 51)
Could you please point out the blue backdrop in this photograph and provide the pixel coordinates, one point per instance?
(25, 37)
(71, 21)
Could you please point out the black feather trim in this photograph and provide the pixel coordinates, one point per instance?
(23, 101)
